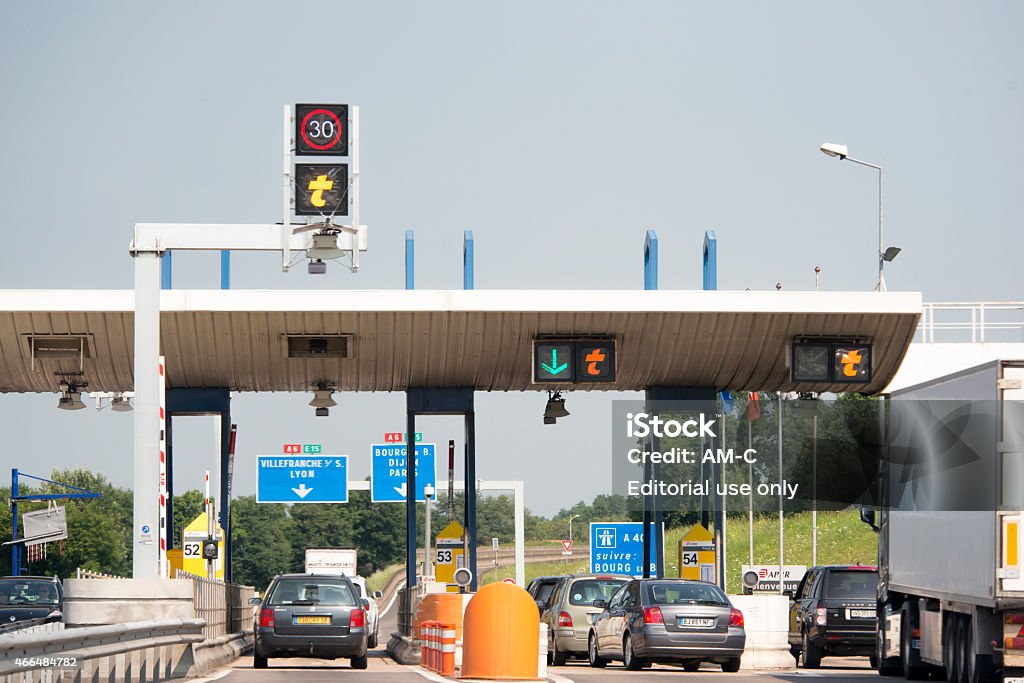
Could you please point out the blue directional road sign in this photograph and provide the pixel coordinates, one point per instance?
(302, 479)
(617, 548)
(388, 480)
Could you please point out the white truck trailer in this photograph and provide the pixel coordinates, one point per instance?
(950, 547)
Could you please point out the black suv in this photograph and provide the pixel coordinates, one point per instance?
(30, 597)
(541, 588)
(834, 614)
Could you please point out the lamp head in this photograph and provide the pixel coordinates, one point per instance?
(890, 254)
(834, 150)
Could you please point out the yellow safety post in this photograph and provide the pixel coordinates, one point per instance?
(500, 633)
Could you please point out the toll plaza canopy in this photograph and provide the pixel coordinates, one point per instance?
(390, 340)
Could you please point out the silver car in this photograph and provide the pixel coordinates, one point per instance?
(667, 620)
(569, 610)
(304, 615)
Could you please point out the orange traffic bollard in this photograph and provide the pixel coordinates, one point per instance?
(423, 643)
(501, 630)
(447, 649)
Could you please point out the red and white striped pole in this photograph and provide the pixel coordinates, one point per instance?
(163, 470)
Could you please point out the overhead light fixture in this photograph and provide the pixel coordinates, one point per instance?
(71, 400)
(555, 408)
(889, 254)
(834, 150)
(120, 404)
(322, 400)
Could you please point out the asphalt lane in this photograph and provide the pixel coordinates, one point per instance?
(381, 669)
(836, 670)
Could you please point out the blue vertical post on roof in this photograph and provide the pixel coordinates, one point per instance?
(410, 260)
(15, 548)
(165, 270)
(651, 260)
(710, 260)
(225, 269)
(467, 259)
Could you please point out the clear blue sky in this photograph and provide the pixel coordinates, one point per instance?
(547, 128)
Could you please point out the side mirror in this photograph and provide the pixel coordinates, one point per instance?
(254, 601)
(601, 603)
(540, 604)
(867, 515)
(365, 603)
(377, 595)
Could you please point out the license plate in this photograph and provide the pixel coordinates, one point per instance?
(312, 619)
(1013, 679)
(862, 613)
(697, 622)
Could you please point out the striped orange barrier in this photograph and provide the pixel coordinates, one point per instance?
(447, 649)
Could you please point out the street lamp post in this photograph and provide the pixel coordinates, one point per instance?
(570, 528)
(833, 150)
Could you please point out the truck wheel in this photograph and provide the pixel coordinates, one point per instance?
(950, 651)
(810, 656)
(912, 668)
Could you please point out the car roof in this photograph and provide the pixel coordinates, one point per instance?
(53, 579)
(624, 577)
(312, 576)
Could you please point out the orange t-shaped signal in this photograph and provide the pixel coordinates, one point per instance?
(593, 358)
(850, 362)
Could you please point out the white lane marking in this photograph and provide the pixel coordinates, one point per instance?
(213, 677)
(429, 675)
(556, 678)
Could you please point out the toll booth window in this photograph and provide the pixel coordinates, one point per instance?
(685, 594)
(852, 584)
(586, 591)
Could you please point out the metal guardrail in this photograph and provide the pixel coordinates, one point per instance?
(223, 606)
(26, 626)
(141, 650)
(971, 321)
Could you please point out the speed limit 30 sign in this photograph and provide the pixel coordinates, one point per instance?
(321, 130)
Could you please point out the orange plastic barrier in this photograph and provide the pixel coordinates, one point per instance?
(500, 634)
(446, 607)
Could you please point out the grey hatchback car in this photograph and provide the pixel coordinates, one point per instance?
(306, 615)
(667, 620)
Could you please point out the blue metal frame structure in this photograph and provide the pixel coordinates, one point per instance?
(15, 497)
(410, 260)
(167, 269)
(468, 258)
(440, 401)
(651, 260)
(207, 401)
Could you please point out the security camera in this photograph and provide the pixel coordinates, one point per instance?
(316, 267)
(322, 412)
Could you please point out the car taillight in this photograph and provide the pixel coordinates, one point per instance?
(652, 615)
(357, 619)
(564, 619)
(735, 617)
(820, 617)
(267, 617)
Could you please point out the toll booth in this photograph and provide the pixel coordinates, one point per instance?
(697, 555)
(450, 555)
(192, 537)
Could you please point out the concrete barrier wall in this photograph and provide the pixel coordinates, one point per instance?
(91, 602)
(766, 621)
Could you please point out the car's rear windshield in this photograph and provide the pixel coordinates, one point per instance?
(684, 593)
(585, 591)
(29, 592)
(312, 591)
(852, 583)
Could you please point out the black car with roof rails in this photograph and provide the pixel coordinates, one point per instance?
(541, 589)
(309, 615)
(834, 613)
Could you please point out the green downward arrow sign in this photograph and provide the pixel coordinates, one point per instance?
(554, 368)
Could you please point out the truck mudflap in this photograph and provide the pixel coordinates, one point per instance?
(1013, 639)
